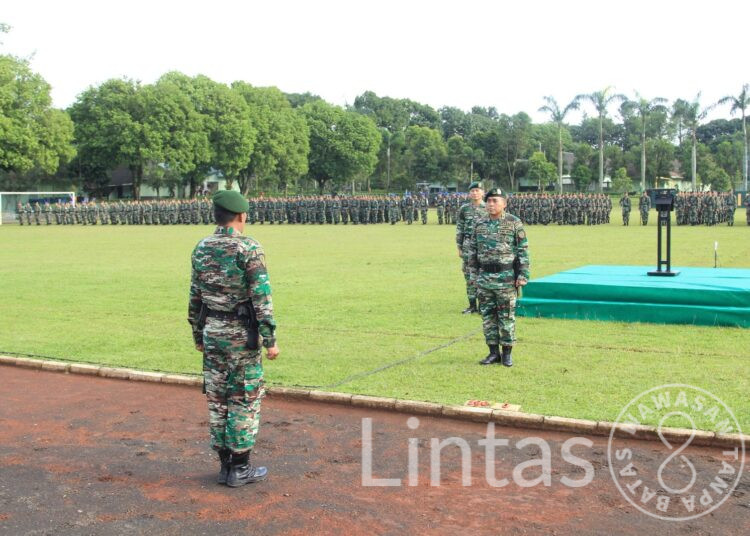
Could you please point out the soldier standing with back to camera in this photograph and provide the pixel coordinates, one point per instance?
(230, 309)
(498, 252)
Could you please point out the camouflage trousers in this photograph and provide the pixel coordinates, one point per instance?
(234, 385)
(644, 217)
(498, 309)
(625, 217)
(471, 279)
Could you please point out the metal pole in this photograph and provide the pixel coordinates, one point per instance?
(669, 242)
(658, 247)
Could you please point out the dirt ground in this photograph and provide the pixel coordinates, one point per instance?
(86, 455)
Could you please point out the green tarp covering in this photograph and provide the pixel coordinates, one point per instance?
(706, 296)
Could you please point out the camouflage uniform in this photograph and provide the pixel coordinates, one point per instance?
(229, 269)
(644, 204)
(493, 247)
(423, 207)
(625, 204)
(466, 218)
(440, 204)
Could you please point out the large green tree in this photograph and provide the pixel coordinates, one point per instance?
(109, 129)
(282, 142)
(33, 135)
(558, 115)
(227, 122)
(343, 144)
(122, 123)
(425, 155)
(175, 131)
(540, 171)
(515, 143)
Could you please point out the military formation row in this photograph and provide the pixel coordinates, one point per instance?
(692, 208)
(193, 211)
(562, 209)
(301, 210)
(703, 208)
(707, 208)
(338, 209)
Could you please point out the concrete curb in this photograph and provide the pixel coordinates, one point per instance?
(412, 407)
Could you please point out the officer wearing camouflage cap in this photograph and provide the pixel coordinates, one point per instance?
(231, 311)
(467, 215)
(498, 252)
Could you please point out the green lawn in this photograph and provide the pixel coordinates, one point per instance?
(350, 300)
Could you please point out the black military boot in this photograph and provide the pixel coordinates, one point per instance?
(225, 455)
(472, 308)
(506, 359)
(242, 471)
(493, 357)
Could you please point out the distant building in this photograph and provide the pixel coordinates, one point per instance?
(676, 179)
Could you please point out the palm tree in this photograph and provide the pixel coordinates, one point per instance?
(601, 100)
(558, 117)
(678, 113)
(692, 116)
(741, 102)
(644, 108)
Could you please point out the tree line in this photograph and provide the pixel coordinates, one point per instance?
(175, 132)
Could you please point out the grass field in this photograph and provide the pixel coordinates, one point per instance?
(352, 300)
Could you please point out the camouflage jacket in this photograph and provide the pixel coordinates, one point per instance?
(228, 269)
(493, 248)
(465, 219)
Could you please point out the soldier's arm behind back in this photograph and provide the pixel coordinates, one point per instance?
(260, 292)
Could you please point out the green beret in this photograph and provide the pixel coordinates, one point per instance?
(475, 184)
(494, 192)
(231, 200)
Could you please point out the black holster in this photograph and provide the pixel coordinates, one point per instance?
(200, 322)
(516, 273)
(246, 313)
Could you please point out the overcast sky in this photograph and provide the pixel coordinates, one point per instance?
(460, 53)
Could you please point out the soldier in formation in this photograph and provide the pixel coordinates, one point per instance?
(644, 204)
(337, 209)
(625, 204)
(143, 212)
(705, 208)
(560, 209)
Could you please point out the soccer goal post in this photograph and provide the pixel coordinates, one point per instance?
(9, 201)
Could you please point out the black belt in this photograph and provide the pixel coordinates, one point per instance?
(223, 315)
(495, 267)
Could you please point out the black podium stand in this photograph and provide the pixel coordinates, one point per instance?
(664, 204)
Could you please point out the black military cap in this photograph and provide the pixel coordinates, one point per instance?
(475, 184)
(494, 192)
